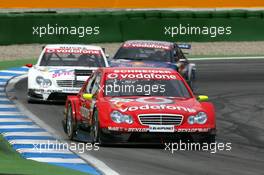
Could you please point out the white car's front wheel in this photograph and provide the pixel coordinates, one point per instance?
(30, 99)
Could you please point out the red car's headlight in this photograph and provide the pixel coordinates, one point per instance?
(118, 117)
(200, 118)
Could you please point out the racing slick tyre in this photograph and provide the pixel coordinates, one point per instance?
(96, 132)
(191, 80)
(31, 101)
(70, 123)
(32, 97)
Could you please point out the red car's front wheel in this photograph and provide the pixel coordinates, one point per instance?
(70, 127)
(96, 132)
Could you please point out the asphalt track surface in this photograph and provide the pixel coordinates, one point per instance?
(236, 87)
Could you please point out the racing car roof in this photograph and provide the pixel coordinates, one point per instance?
(59, 46)
(148, 42)
(112, 69)
(151, 43)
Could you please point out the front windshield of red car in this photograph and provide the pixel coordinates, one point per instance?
(145, 87)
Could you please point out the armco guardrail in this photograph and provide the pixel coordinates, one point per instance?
(117, 26)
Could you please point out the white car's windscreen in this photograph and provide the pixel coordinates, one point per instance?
(72, 59)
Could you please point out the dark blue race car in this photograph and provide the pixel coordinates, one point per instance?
(145, 53)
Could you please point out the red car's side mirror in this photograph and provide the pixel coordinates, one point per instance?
(29, 65)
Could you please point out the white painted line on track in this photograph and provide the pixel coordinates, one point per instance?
(26, 134)
(11, 113)
(15, 120)
(7, 106)
(18, 126)
(58, 160)
(13, 71)
(2, 83)
(32, 141)
(32, 150)
(6, 77)
(4, 99)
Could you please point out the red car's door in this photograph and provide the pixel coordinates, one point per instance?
(87, 106)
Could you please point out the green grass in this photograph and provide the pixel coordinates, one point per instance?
(15, 63)
(212, 56)
(11, 163)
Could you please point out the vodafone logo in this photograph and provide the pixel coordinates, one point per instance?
(148, 100)
(142, 76)
(156, 107)
(154, 100)
(72, 50)
(121, 100)
(112, 76)
(151, 103)
(146, 45)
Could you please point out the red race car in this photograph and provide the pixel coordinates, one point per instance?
(118, 105)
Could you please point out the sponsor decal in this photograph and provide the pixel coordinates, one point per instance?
(193, 129)
(156, 103)
(161, 128)
(74, 90)
(146, 45)
(154, 100)
(110, 128)
(158, 128)
(84, 112)
(72, 50)
(61, 72)
(142, 71)
(141, 76)
(114, 128)
(121, 100)
(46, 90)
(157, 107)
(149, 100)
(137, 130)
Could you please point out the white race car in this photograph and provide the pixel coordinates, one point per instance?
(61, 70)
